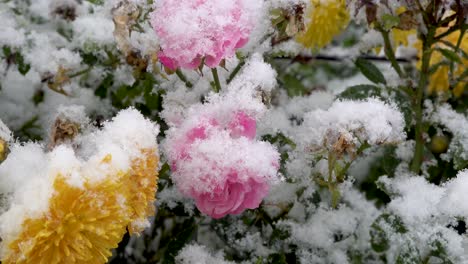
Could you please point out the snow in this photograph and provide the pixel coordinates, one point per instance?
(197, 254)
(371, 121)
(457, 124)
(29, 171)
(313, 124)
(5, 133)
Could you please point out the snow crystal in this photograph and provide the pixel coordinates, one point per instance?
(11, 36)
(93, 29)
(256, 73)
(26, 181)
(5, 133)
(457, 124)
(197, 254)
(455, 200)
(358, 121)
(416, 199)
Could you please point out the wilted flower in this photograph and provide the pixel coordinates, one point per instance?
(195, 31)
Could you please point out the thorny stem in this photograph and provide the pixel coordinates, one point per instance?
(428, 40)
(183, 78)
(217, 86)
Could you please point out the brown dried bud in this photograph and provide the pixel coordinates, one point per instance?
(135, 59)
(65, 12)
(124, 16)
(63, 131)
(288, 23)
(371, 13)
(343, 145)
(57, 82)
(407, 21)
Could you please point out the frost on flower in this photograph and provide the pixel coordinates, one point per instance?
(5, 136)
(75, 203)
(349, 124)
(215, 158)
(195, 31)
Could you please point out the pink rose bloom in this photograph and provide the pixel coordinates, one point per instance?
(220, 164)
(192, 30)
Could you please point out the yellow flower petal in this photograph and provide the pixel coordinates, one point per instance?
(83, 225)
(327, 19)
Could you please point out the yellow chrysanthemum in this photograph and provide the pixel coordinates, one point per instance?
(140, 190)
(81, 226)
(3, 147)
(84, 224)
(400, 37)
(327, 18)
(439, 80)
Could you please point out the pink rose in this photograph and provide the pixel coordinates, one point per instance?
(232, 198)
(192, 30)
(220, 164)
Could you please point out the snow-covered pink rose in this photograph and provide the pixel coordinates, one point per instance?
(192, 30)
(220, 165)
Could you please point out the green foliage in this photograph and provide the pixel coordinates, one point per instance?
(16, 58)
(96, 2)
(371, 71)
(389, 21)
(450, 55)
(360, 92)
(409, 254)
(383, 227)
(179, 240)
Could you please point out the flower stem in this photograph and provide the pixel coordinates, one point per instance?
(80, 73)
(217, 86)
(183, 78)
(236, 71)
(428, 40)
(389, 52)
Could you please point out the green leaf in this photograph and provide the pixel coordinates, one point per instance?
(450, 55)
(390, 21)
(18, 59)
(96, 2)
(382, 229)
(359, 92)
(23, 67)
(409, 254)
(370, 71)
(104, 86)
(293, 86)
(277, 258)
(179, 240)
(439, 248)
